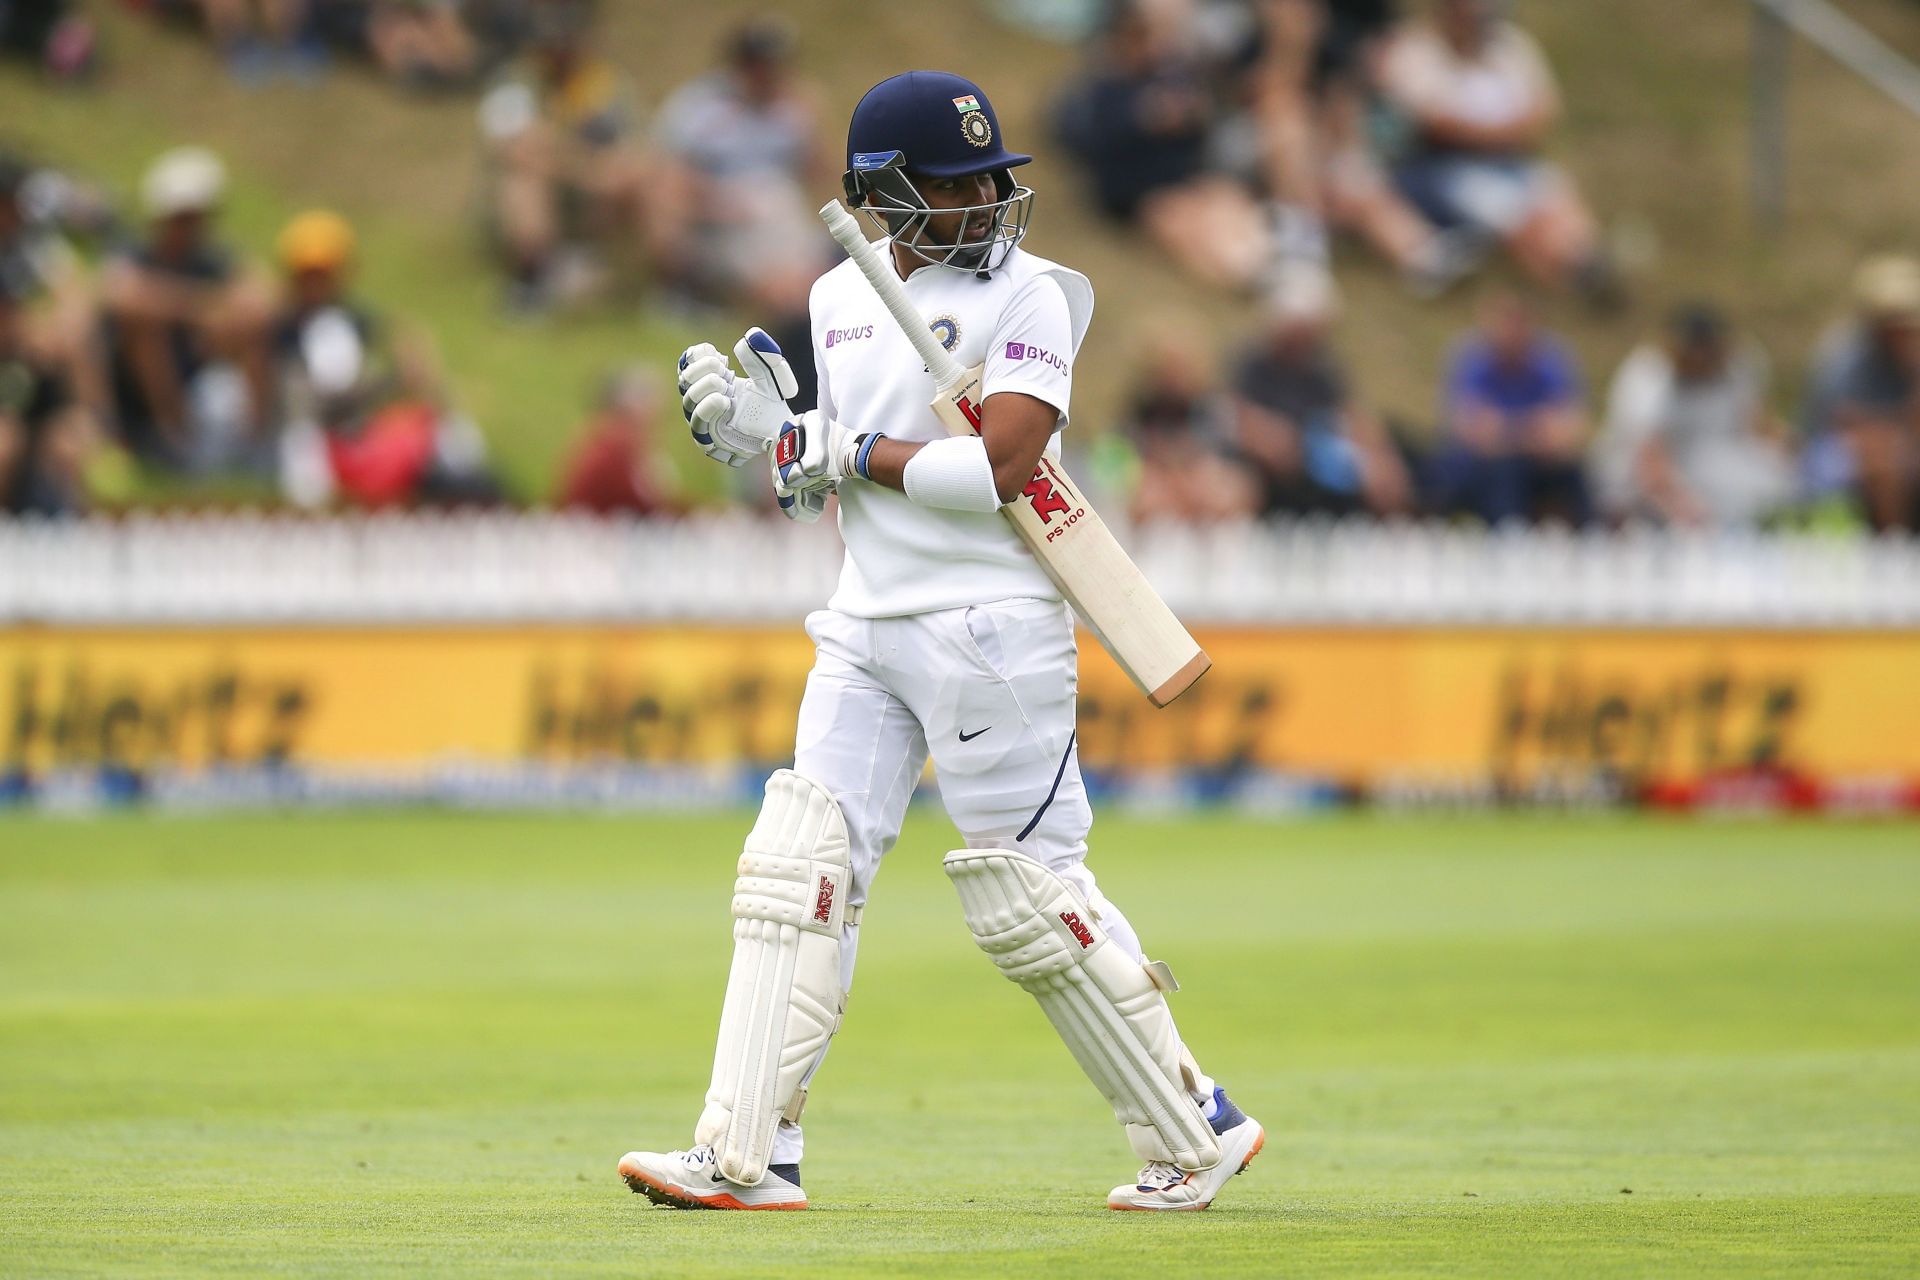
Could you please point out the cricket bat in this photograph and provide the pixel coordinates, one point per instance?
(1060, 527)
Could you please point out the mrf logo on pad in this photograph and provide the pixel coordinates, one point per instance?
(823, 901)
(1081, 934)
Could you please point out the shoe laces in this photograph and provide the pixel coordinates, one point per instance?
(1158, 1175)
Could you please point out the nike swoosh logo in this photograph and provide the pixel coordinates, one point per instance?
(969, 737)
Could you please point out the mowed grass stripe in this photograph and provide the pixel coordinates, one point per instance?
(407, 1043)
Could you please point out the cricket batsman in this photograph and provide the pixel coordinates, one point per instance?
(944, 637)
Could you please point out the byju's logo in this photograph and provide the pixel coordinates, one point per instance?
(1027, 351)
(837, 336)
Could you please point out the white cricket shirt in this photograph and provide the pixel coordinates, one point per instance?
(1026, 322)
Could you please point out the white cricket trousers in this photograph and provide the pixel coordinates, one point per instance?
(989, 691)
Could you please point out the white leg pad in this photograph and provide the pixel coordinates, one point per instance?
(1104, 1004)
(784, 995)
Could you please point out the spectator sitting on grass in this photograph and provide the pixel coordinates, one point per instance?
(1863, 411)
(568, 164)
(1513, 431)
(258, 38)
(45, 275)
(1481, 100)
(187, 326)
(1181, 430)
(1308, 74)
(45, 435)
(1295, 417)
(740, 152)
(422, 44)
(1689, 439)
(368, 421)
(617, 467)
(1142, 124)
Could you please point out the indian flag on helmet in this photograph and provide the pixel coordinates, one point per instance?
(966, 102)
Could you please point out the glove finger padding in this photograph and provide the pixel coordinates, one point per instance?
(698, 353)
(803, 508)
(703, 378)
(765, 365)
(705, 421)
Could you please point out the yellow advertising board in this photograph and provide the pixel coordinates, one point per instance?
(1353, 704)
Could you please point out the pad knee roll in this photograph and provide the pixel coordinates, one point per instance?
(1105, 1005)
(784, 993)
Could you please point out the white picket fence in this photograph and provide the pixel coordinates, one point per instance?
(190, 568)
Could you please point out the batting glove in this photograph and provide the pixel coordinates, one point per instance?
(733, 418)
(802, 506)
(815, 452)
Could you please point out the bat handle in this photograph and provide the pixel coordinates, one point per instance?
(940, 363)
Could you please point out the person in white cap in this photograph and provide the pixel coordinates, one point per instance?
(179, 303)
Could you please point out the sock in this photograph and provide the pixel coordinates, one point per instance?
(1223, 1114)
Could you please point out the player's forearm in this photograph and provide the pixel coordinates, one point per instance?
(887, 463)
(964, 473)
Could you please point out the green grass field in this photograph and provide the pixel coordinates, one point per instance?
(418, 1043)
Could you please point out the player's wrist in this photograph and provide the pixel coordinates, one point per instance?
(863, 452)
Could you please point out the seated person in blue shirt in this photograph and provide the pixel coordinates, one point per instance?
(1513, 429)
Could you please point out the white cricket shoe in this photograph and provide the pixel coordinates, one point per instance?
(1165, 1187)
(691, 1180)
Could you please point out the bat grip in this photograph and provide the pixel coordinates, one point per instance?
(940, 363)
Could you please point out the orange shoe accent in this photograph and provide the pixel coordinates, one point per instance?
(674, 1198)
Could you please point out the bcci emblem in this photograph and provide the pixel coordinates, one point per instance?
(947, 329)
(976, 129)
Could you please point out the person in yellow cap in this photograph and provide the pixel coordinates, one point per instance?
(330, 347)
(317, 241)
(368, 418)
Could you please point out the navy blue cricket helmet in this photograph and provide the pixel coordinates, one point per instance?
(932, 124)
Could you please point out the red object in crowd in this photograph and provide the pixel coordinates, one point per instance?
(382, 463)
(610, 474)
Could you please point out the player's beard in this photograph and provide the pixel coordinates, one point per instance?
(957, 248)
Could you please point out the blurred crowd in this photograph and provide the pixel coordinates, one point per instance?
(1684, 434)
(144, 341)
(420, 45)
(1241, 137)
(154, 341)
